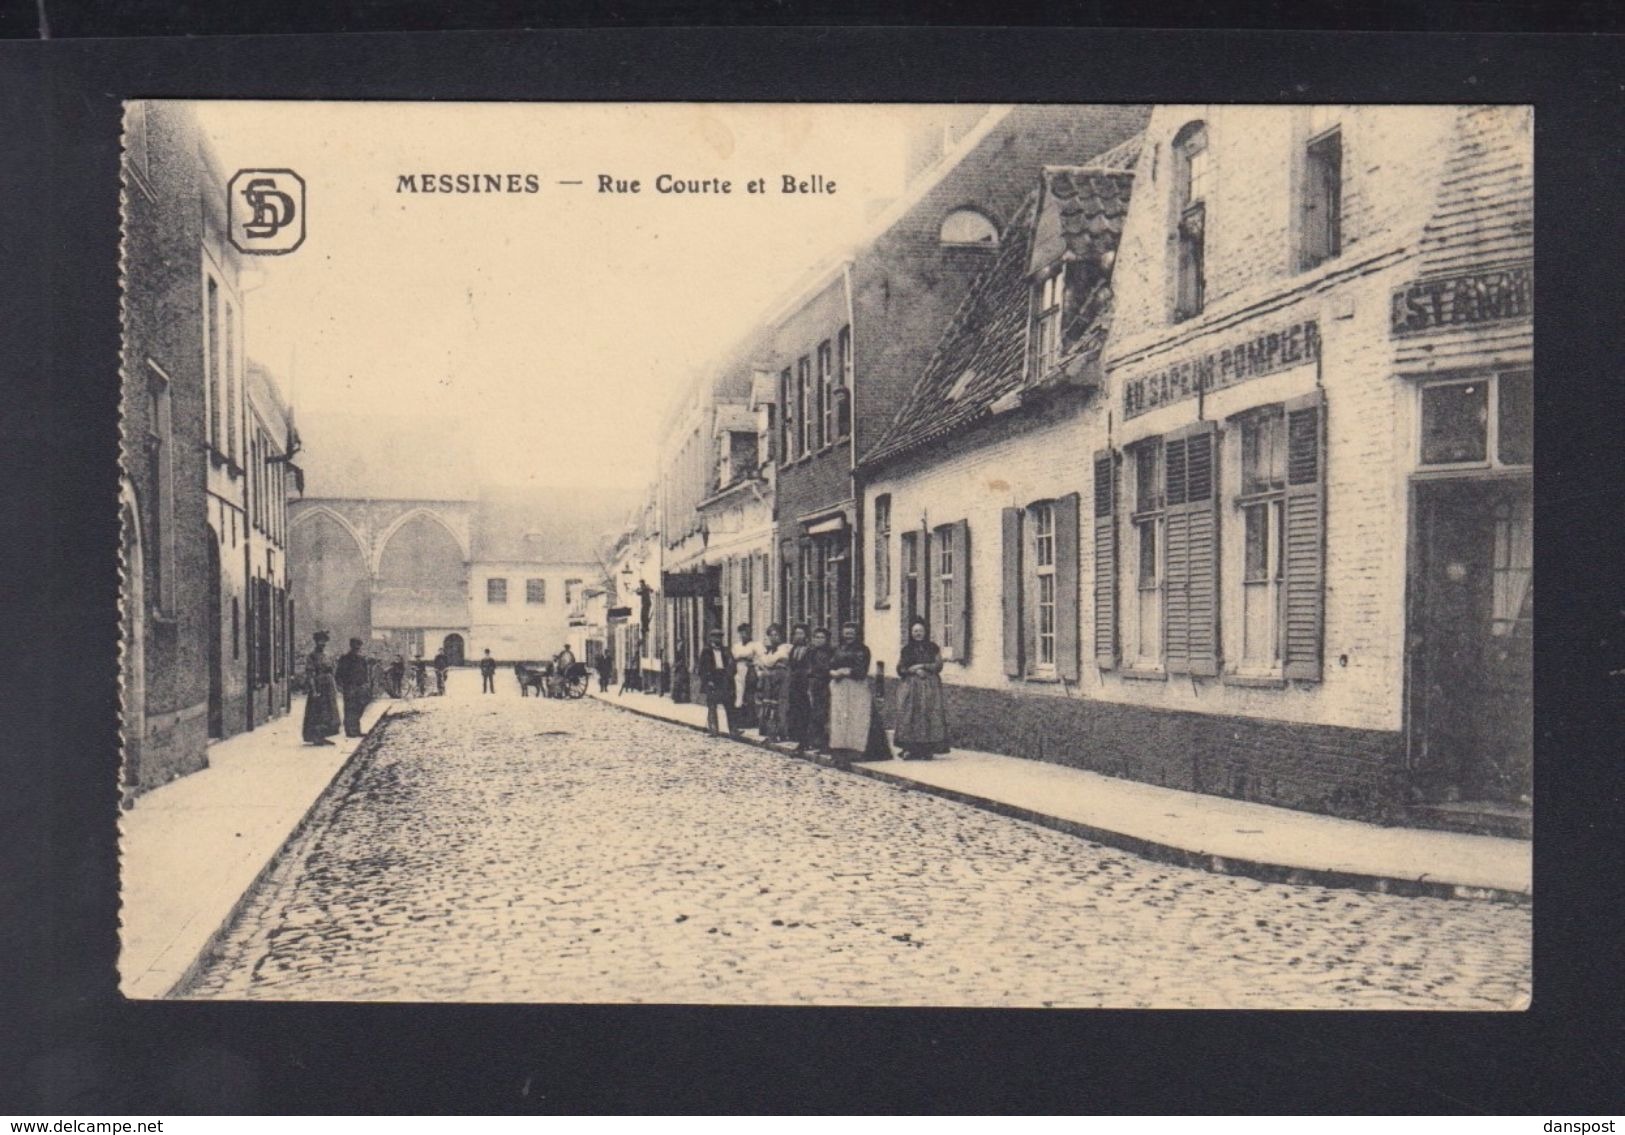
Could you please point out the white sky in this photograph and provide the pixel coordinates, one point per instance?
(556, 324)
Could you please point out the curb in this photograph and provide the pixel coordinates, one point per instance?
(346, 771)
(1136, 845)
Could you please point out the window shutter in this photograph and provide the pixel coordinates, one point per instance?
(1304, 537)
(1202, 536)
(928, 579)
(1105, 562)
(1176, 620)
(1066, 587)
(1191, 582)
(961, 538)
(1012, 591)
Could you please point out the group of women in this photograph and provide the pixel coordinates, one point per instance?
(818, 695)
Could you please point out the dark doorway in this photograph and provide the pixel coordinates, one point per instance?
(453, 646)
(212, 636)
(1470, 642)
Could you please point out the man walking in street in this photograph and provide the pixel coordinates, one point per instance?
(488, 674)
(353, 681)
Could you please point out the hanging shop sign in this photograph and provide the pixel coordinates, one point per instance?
(1273, 351)
(1486, 296)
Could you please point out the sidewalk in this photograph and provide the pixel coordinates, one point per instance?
(192, 848)
(1193, 829)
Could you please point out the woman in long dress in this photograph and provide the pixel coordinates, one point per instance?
(322, 697)
(850, 702)
(922, 719)
(794, 707)
(772, 670)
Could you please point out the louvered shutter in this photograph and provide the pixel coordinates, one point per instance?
(1105, 559)
(1304, 537)
(1066, 586)
(1011, 553)
(960, 533)
(1202, 536)
(1191, 583)
(1176, 619)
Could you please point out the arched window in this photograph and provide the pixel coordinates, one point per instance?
(1190, 218)
(968, 226)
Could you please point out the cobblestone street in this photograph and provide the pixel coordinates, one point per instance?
(499, 849)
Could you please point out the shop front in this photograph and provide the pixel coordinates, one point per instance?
(694, 609)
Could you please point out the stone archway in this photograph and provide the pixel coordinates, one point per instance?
(422, 576)
(332, 588)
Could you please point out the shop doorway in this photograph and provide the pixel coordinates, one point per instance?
(1470, 644)
(453, 646)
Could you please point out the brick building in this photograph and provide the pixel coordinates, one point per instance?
(1302, 539)
(850, 344)
(206, 447)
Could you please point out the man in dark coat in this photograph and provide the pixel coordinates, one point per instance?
(351, 673)
(488, 674)
(717, 682)
(819, 659)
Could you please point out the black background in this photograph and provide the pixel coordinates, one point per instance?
(70, 1046)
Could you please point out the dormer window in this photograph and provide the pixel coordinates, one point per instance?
(1190, 219)
(968, 227)
(1050, 295)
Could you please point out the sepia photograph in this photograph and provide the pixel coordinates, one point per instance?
(1036, 556)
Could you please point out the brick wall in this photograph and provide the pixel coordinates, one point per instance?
(162, 317)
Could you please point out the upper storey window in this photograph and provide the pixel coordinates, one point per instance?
(1322, 198)
(968, 226)
(1191, 176)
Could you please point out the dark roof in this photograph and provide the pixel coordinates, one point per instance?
(1076, 211)
(548, 525)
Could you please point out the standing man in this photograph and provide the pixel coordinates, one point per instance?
(441, 664)
(488, 673)
(352, 679)
(606, 670)
(716, 682)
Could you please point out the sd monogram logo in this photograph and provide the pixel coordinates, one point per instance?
(265, 211)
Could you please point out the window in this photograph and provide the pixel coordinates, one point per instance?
(1487, 420)
(826, 395)
(1511, 612)
(496, 591)
(811, 591)
(1262, 503)
(1146, 552)
(787, 419)
(211, 362)
(228, 363)
(968, 226)
(1047, 329)
(575, 596)
(843, 383)
(883, 551)
(911, 596)
(804, 399)
(1043, 521)
(536, 591)
(1190, 203)
(832, 574)
(1323, 199)
(950, 598)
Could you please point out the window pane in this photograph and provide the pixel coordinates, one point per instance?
(1257, 525)
(1147, 474)
(1455, 423)
(1516, 444)
(1148, 554)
